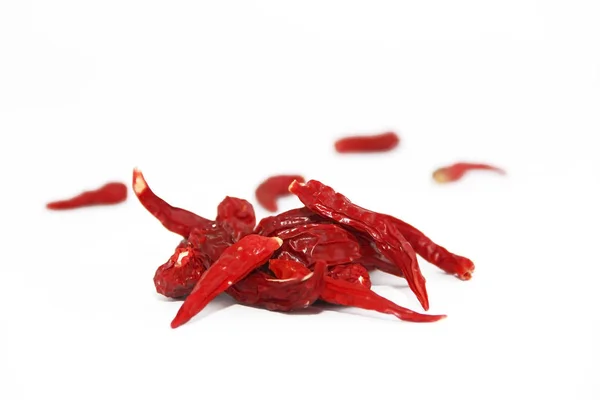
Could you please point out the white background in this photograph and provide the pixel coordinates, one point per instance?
(209, 98)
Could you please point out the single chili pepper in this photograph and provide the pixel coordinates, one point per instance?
(367, 143)
(353, 273)
(274, 187)
(233, 265)
(297, 216)
(175, 219)
(259, 289)
(343, 290)
(324, 201)
(319, 241)
(236, 216)
(451, 263)
(177, 277)
(456, 171)
(109, 194)
(338, 291)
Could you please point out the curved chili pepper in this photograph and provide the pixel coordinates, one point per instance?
(343, 290)
(109, 194)
(177, 277)
(236, 216)
(175, 219)
(456, 171)
(367, 143)
(233, 265)
(259, 289)
(319, 241)
(324, 201)
(297, 216)
(451, 263)
(274, 187)
(351, 294)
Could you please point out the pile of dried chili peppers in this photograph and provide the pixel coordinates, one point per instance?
(322, 252)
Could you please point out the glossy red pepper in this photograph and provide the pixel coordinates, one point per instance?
(324, 201)
(236, 216)
(175, 219)
(111, 193)
(274, 187)
(456, 171)
(367, 143)
(233, 265)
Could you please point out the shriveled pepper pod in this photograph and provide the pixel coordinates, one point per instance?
(455, 172)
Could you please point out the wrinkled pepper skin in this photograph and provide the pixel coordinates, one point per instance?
(286, 220)
(323, 200)
(310, 243)
(295, 293)
(177, 277)
(236, 216)
(353, 273)
(236, 262)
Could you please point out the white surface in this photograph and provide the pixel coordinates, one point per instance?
(210, 99)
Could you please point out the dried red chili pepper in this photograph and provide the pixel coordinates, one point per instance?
(451, 263)
(175, 219)
(297, 216)
(456, 171)
(319, 241)
(274, 187)
(211, 242)
(177, 277)
(338, 291)
(233, 265)
(367, 143)
(353, 273)
(324, 201)
(236, 216)
(109, 194)
(294, 293)
(344, 290)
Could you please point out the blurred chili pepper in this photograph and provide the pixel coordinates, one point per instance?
(274, 187)
(109, 194)
(367, 143)
(456, 171)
